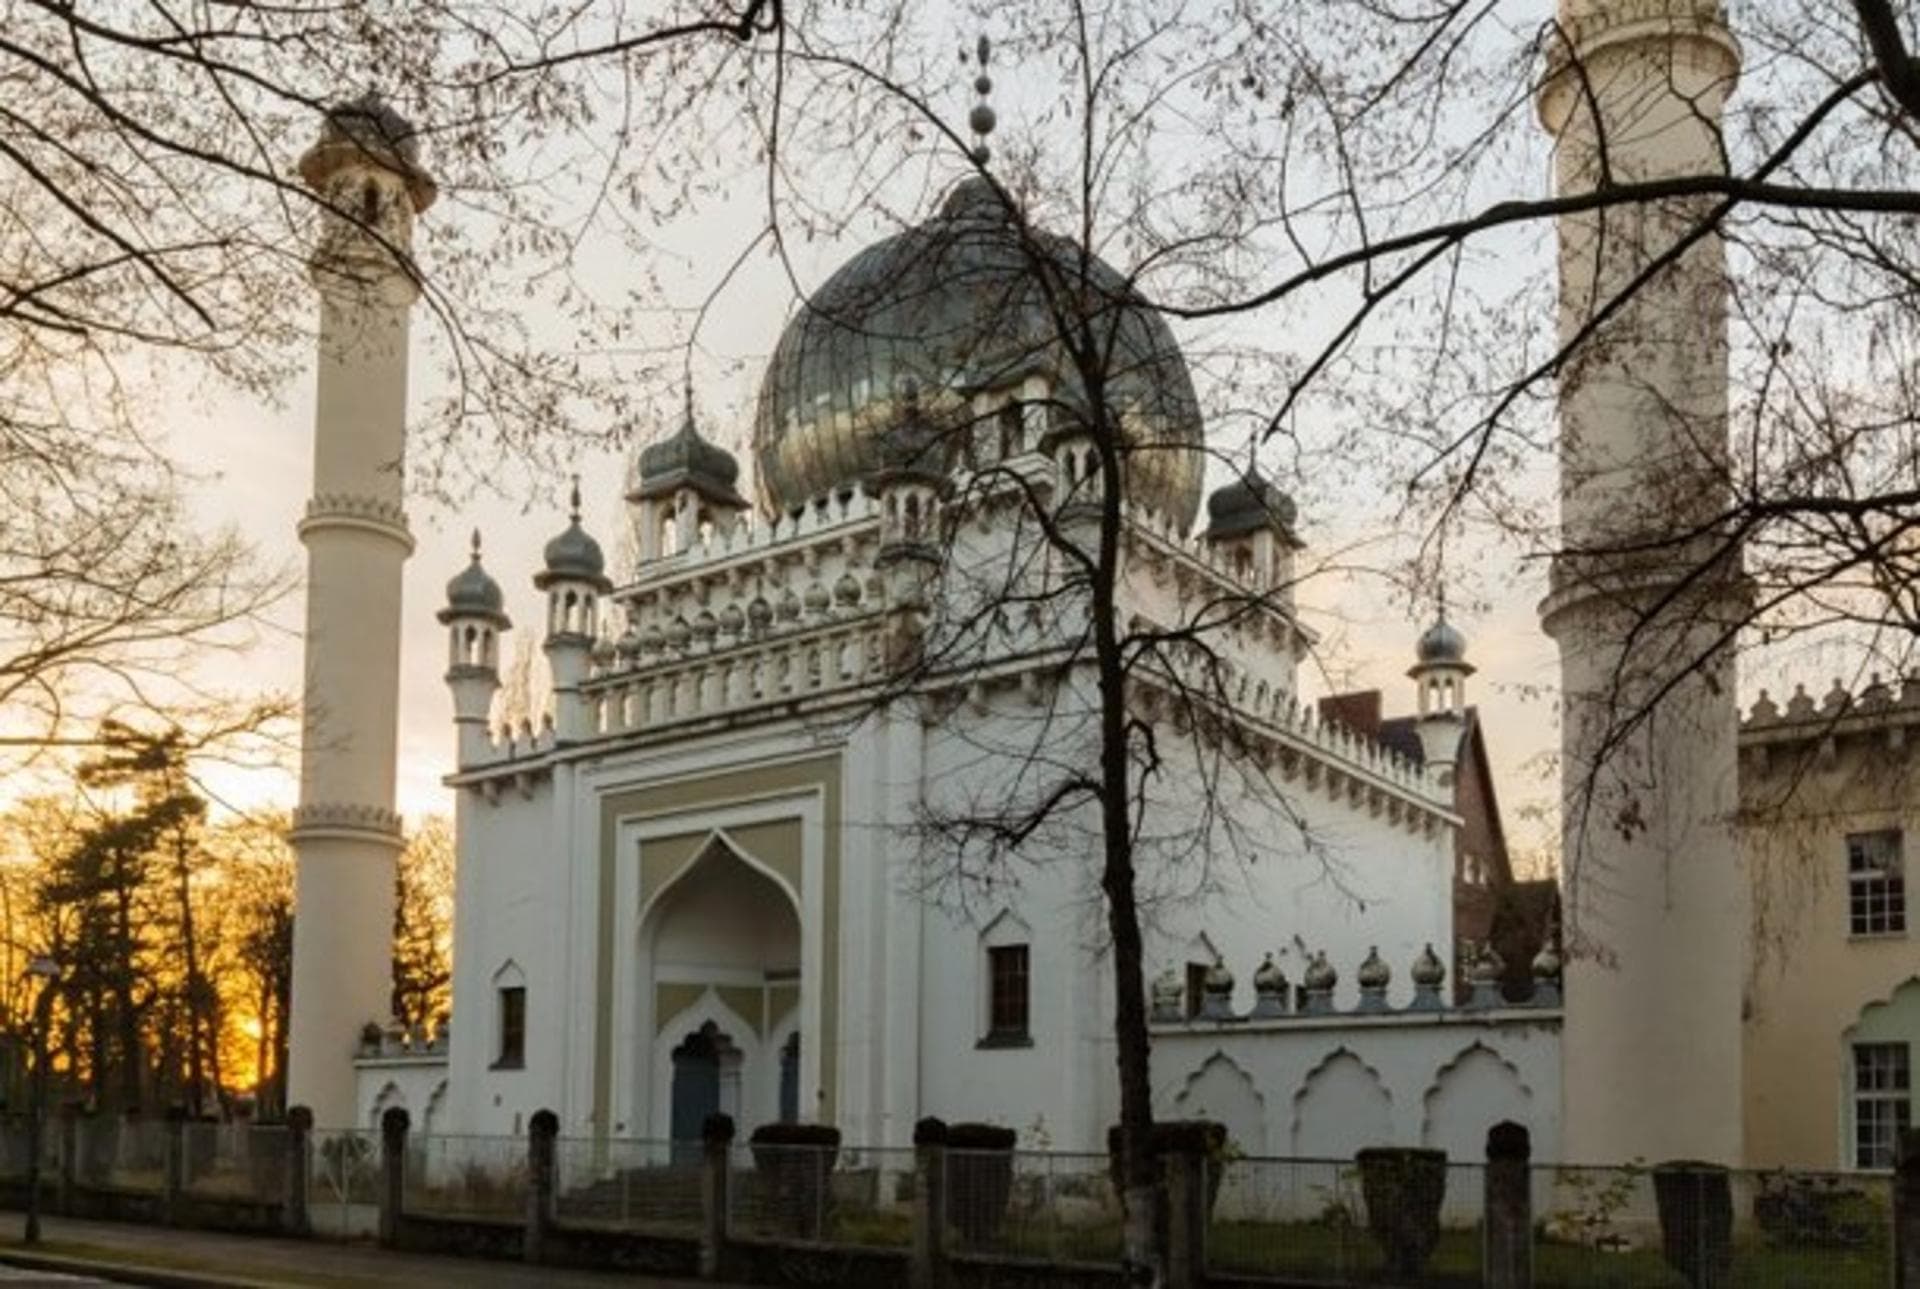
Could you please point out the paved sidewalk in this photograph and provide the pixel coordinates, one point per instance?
(126, 1253)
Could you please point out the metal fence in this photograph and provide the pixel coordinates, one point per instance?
(1306, 1219)
(466, 1176)
(343, 1182)
(842, 1194)
(651, 1186)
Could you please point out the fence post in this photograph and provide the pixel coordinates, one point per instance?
(1906, 1211)
(294, 1218)
(69, 1158)
(542, 1129)
(393, 1173)
(928, 1268)
(174, 1174)
(716, 1151)
(1508, 1204)
(1184, 1158)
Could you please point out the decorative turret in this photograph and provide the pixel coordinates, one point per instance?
(1216, 993)
(1319, 980)
(1428, 975)
(682, 487)
(915, 454)
(1077, 484)
(1169, 997)
(1440, 674)
(574, 579)
(1373, 978)
(474, 616)
(1250, 521)
(1269, 990)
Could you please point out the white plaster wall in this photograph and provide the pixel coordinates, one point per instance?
(1327, 1089)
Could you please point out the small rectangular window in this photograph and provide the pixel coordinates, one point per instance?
(1882, 1106)
(1876, 884)
(1007, 1017)
(513, 1028)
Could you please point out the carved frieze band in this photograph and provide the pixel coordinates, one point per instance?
(346, 510)
(337, 818)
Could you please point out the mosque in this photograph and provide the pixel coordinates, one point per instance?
(757, 859)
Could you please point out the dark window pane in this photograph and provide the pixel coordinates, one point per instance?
(1007, 992)
(513, 1025)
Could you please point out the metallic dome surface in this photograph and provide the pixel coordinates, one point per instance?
(949, 308)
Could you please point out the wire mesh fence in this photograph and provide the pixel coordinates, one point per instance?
(1641, 1228)
(629, 1185)
(1058, 1206)
(466, 1176)
(234, 1160)
(343, 1182)
(120, 1152)
(806, 1192)
(1332, 1219)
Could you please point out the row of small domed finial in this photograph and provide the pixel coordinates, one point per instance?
(1876, 696)
(1317, 984)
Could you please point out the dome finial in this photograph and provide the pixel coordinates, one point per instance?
(573, 511)
(476, 545)
(981, 120)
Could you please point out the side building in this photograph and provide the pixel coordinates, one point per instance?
(1830, 805)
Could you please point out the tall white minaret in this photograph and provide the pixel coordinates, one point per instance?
(1656, 908)
(346, 831)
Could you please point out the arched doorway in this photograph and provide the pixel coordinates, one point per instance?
(721, 952)
(705, 1081)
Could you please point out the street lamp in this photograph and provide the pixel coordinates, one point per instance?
(47, 972)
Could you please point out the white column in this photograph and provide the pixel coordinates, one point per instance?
(346, 832)
(1656, 905)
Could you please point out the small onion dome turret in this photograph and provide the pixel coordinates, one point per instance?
(1320, 975)
(473, 594)
(1269, 978)
(912, 446)
(1487, 968)
(1249, 503)
(1219, 979)
(368, 128)
(1374, 973)
(1428, 971)
(574, 556)
(1442, 644)
(688, 459)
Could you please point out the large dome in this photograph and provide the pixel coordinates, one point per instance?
(948, 308)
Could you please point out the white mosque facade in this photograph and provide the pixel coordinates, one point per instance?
(749, 865)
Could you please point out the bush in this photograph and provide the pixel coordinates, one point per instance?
(1696, 1221)
(979, 1179)
(1800, 1210)
(796, 1160)
(1402, 1188)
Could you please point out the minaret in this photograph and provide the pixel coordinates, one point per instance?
(1440, 676)
(366, 169)
(1656, 908)
(575, 580)
(475, 618)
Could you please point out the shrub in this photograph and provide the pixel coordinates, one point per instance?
(1798, 1210)
(796, 1160)
(1696, 1221)
(979, 1179)
(1402, 1189)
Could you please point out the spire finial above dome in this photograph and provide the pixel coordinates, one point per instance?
(476, 545)
(982, 120)
(573, 501)
(474, 594)
(574, 556)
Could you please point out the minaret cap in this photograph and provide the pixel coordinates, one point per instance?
(688, 459)
(368, 131)
(574, 556)
(473, 594)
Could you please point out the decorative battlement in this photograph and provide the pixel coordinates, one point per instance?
(332, 818)
(1879, 709)
(1278, 999)
(396, 1042)
(370, 514)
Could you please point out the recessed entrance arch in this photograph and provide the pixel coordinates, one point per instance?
(719, 955)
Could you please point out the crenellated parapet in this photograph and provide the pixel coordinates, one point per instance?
(1878, 718)
(1317, 997)
(376, 515)
(345, 819)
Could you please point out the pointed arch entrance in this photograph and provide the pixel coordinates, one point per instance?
(720, 949)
